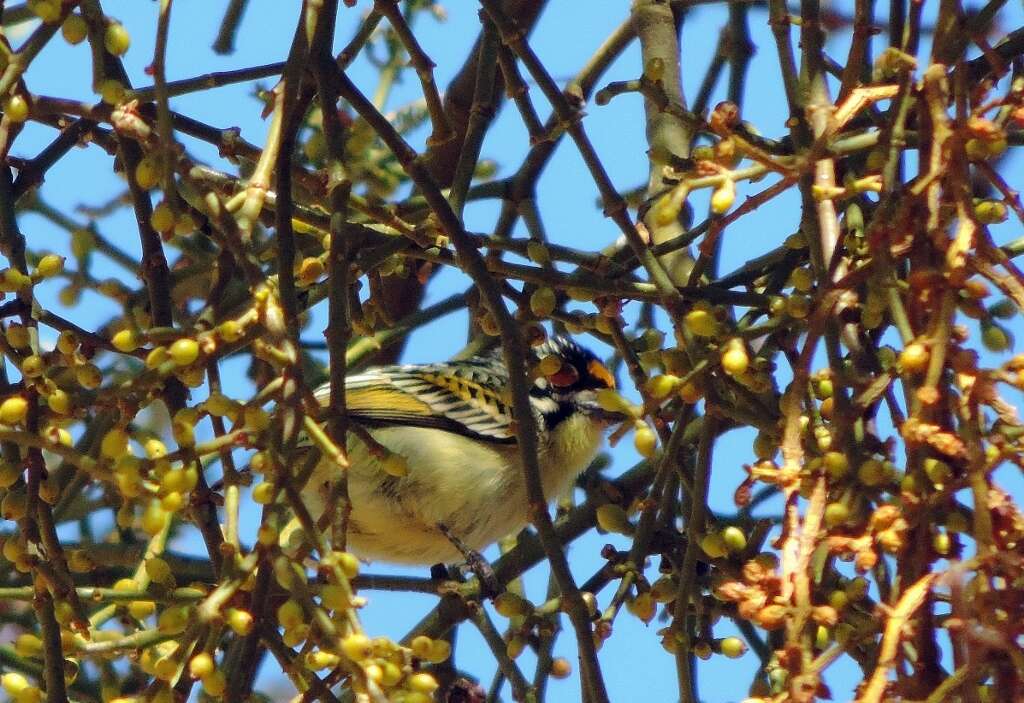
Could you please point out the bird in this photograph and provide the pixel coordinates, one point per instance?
(458, 483)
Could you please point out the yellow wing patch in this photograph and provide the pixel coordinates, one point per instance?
(372, 400)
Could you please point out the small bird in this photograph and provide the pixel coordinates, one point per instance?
(441, 471)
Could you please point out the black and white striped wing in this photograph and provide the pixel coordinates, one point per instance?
(465, 397)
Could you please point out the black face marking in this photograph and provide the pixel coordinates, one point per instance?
(560, 400)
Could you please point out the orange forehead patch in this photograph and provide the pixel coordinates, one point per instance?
(599, 371)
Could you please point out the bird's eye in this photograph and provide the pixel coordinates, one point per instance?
(566, 376)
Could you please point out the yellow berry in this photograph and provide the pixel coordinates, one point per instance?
(219, 405)
(14, 280)
(914, 358)
(422, 682)
(9, 474)
(49, 266)
(28, 645)
(735, 360)
(937, 471)
(13, 410)
(549, 365)
(440, 651)
(215, 684)
(48, 11)
(201, 665)
(515, 647)
(162, 217)
(310, 270)
(335, 597)
(125, 341)
(391, 674)
(802, 279)
(173, 620)
(112, 91)
(230, 331)
(836, 514)
(510, 605)
(17, 335)
(141, 609)
(701, 323)
(349, 563)
(660, 387)
(995, 338)
(538, 253)
(315, 661)
(184, 224)
(154, 448)
(836, 465)
(821, 637)
(733, 647)
(32, 366)
(690, 392)
(645, 440)
(172, 502)
(147, 172)
(116, 39)
(357, 647)
(838, 599)
(183, 429)
(184, 351)
(154, 518)
(735, 540)
(871, 473)
(713, 545)
(16, 108)
(264, 493)
(88, 376)
(240, 621)
(114, 444)
(723, 197)
(256, 418)
(158, 570)
(421, 643)
(67, 343)
(612, 518)
(990, 212)
(266, 535)
(543, 301)
(643, 606)
(13, 549)
(289, 614)
(14, 683)
(14, 505)
(156, 356)
(74, 29)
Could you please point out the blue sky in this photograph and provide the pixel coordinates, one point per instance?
(568, 33)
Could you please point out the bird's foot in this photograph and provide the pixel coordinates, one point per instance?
(475, 564)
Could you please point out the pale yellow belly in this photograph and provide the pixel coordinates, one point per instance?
(475, 489)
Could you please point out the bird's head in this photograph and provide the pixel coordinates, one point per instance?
(570, 378)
